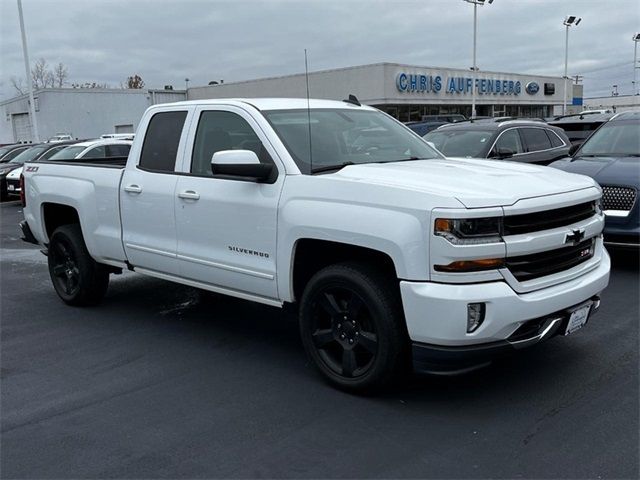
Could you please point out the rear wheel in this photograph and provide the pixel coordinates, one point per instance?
(77, 278)
(352, 326)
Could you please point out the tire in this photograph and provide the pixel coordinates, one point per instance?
(352, 326)
(77, 278)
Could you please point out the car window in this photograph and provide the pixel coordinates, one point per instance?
(617, 138)
(29, 154)
(50, 153)
(160, 147)
(118, 150)
(217, 131)
(96, 152)
(555, 139)
(536, 139)
(510, 140)
(67, 153)
(461, 143)
(13, 154)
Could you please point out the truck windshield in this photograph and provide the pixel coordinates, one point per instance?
(460, 143)
(345, 137)
(614, 139)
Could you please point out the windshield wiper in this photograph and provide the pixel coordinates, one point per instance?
(328, 168)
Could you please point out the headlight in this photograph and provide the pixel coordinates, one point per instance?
(469, 230)
(599, 208)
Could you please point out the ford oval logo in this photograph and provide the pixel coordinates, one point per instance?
(532, 88)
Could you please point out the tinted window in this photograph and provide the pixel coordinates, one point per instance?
(616, 139)
(536, 139)
(96, 152)
(118, 150)
(510, 140)
(555, 140)
(461, 143)
(13, 154)
(29, 155)
(160, 147)
(219, 131)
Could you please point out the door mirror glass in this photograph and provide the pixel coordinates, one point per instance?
(574, 148)
(240, 165)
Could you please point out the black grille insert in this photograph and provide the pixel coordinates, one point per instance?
(547, 219)
(618, 198)
(528, 267)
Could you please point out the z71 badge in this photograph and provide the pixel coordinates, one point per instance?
(31, 169)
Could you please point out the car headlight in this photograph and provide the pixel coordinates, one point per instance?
(466, 231)
(599, 207)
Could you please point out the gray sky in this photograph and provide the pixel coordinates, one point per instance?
(167, 41)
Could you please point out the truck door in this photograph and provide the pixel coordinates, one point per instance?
(227, 227)
(147, 193)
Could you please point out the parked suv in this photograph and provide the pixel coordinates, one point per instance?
(611, 156)
(518, 140)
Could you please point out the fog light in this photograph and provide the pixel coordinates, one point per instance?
(475, 316)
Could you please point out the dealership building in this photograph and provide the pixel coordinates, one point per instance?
(408, 92)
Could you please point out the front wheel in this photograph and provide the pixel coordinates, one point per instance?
(352, 326)
(77, 278)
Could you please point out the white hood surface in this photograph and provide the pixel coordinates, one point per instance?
(475, 183)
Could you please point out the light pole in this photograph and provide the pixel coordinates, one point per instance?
(186, 82)
(32, 103)
(474, 69)
(636, 39)
(568, 21)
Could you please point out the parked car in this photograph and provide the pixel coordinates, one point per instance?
(445, 117)
(578, 127)
(388, 250)
(106, 150)
(611, 156)
(119, 136)
(30, 154)
(60, 137)
(9, 152)
(517, 140)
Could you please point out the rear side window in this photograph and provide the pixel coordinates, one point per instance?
(555, 140)
(96, 152)
(118, 150)
(536, 139)
(160, 147)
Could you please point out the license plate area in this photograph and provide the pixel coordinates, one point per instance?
(578, 317)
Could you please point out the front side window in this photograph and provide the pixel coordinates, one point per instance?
(50, 153)
(344, 136)
(509, 140)
(160, 147)
(218, 131)
(461, 143)
(536, 139)
(13, 154)
(29, 155)
(620, 139)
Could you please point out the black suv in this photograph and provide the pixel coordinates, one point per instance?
(528, 141)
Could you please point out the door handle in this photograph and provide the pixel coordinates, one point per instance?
(133, 189)
(189, 195)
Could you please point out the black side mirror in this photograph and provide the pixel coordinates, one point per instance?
(574, 148)
(503, 153)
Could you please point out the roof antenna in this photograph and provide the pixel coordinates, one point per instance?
(306, 75)
(353, 100)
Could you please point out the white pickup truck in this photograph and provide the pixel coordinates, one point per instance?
(391, 252)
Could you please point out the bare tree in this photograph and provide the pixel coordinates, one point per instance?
(18, 84)
(41, 76)
(134, 81)
(60, 74)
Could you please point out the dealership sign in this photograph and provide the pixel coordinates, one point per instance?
(414, 83)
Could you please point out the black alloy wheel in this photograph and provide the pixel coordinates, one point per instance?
(352, 326)
(77, 278)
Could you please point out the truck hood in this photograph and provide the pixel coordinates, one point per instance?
(473, 182)
(605, 170)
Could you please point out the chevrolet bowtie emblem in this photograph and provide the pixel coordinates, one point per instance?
(576, 236)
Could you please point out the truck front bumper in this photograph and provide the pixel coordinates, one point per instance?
(436, 316)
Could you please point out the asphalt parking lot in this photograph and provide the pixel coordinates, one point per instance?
(167, 381)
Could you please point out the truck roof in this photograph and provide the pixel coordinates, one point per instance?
(272, 103)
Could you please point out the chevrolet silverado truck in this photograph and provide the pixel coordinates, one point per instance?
(392, 254)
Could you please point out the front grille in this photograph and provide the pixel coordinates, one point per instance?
(528, 267)
(536, 221)
(618, 198)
